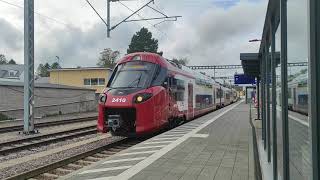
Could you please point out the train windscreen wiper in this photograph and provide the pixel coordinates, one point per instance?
(134, 81)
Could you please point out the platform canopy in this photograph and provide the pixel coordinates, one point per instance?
(250, 63)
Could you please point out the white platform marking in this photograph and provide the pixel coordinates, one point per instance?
(149, 147)
(187, 127)
(200, 135)
(164, 138)
(299, 120)
(168, 135)
(124, 160)
(182, 130)
(159, 142)
(105, 169)
(143, 164)
(178, 130)
(296, 119)
(175, 133)
(103, 178)
(135, 153)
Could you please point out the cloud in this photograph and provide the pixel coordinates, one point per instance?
(11, 37)
(77, 47)
(218, 36)
(206, 34)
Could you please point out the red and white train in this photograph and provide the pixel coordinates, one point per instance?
(146, 93)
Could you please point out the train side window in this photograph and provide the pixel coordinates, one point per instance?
(203, 101)
(227, 95)
(303, 99)
(160, 77)
(177, 88)
(179, 96)
(180, 84)
(290, 93)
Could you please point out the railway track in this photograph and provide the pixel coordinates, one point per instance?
(9, 147)
(47, 124)
(70, 164)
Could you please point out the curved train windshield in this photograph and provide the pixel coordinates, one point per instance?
(134, 74)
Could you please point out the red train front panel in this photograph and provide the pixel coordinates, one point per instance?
(146, 93)
(136, 100)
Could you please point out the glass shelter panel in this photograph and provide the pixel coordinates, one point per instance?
(299, 130)
(269, 102)
(278, 103)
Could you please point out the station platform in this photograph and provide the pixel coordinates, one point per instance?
(216, 146)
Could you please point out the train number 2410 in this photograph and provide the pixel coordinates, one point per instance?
(123, 100)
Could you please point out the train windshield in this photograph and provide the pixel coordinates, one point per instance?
(134, 74)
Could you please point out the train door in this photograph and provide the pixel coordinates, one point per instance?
(190, 102)
(294, 96)
(214, 96)
(220, 97)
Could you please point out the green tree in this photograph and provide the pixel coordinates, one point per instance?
(181, 61)
(43, 70)
(12, 61)
(55, 65)
(3, 59)
(108, 58)
(142, 41)
(40, 69)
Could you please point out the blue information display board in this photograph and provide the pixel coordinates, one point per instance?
(244, 79)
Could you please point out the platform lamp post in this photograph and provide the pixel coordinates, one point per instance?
(28, 127)
(58, 59)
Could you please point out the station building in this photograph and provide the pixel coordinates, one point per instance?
(287, 68)
(85, 77)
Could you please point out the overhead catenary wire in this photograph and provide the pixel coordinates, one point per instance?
(151, 25)
(35, 12)
(97, 13)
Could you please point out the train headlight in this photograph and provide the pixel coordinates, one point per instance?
(102, 98)
(139, 98)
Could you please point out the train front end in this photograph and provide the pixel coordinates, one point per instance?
(134, 100)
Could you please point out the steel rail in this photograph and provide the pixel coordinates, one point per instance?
(18, 145)
(47, 124)
(118, 141)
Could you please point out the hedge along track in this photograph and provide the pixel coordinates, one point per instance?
(9, 147)
(70, 164)
(47, 124)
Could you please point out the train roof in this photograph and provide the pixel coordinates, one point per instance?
(302, 78)
(157, 59)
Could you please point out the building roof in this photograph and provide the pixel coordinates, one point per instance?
(5, 70)
(43, 85)
(80, 69)
(250, 64)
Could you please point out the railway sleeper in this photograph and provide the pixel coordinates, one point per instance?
(49, 176)
(115, 149)
(99, 155)
(72, 167)
(107, 152)
(93, 159)
(60, 172)
(63, 171)
(83, 163)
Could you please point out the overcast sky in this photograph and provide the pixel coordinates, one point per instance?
(210, 32)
